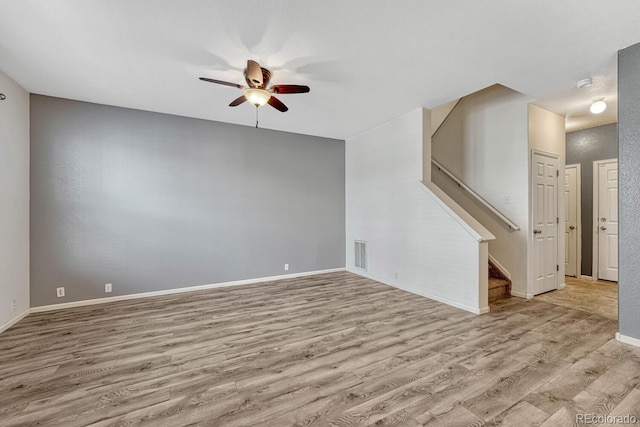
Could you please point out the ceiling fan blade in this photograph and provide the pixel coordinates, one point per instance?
(289, 89)
(220, 82)
(238, 101)
(277, 104)
(254, 73)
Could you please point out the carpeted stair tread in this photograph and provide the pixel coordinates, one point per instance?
(496, 283)
(499, 284)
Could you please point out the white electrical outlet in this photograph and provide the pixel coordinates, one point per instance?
(14, 305)
(286, 267)
(59, 292)
(107, 287)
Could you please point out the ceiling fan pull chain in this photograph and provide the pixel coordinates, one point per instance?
(256, 117)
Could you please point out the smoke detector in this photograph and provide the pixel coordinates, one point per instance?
(584, 83)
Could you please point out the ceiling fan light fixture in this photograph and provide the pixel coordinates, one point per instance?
(598, 106)
(257, 97)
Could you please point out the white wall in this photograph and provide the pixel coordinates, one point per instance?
(14, 202)
(414, 241)
(485, 143)
(547, 134)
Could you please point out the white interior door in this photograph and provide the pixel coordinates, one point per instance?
(571, 229)
(544, 171)
(607, 230)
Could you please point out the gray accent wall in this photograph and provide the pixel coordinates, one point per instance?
(152, 202)
(584, 147)
(629, 190)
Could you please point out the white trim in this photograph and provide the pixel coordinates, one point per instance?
(500, 266)
(464, 307)
(579, 222)
(562, 285)
(627, 340)
(521, 295)
(584, 276)
(483, 276)
(178, 290)
(15, 320)
(578, 168)
(596, 215)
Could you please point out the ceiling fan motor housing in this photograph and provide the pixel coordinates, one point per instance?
(266, 77)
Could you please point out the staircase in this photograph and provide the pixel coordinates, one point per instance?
(448, 120)
(499, 283)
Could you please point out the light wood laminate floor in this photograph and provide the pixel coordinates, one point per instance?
(328, 350)
(598, 297)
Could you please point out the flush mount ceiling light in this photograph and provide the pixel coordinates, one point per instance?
(598, 106)
(584, 83)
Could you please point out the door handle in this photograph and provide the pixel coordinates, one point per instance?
(572, 227)
(603, 228)
(603, 219)
(537, 231)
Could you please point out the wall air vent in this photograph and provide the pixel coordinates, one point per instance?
(361, 254)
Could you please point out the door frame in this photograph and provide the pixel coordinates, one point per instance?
(560, 239)
(596, 216)
(578, 167)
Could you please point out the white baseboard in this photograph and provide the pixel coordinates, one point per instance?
(178, 290)
(15, 320)
(627, 340)
(500, 266)
(464, 307)
(582, 276)
(521, 295)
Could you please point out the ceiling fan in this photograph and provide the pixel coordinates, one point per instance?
(258, 92)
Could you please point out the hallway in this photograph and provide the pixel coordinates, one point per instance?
(599, 297)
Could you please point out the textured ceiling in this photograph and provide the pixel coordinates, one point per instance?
(366, 61)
